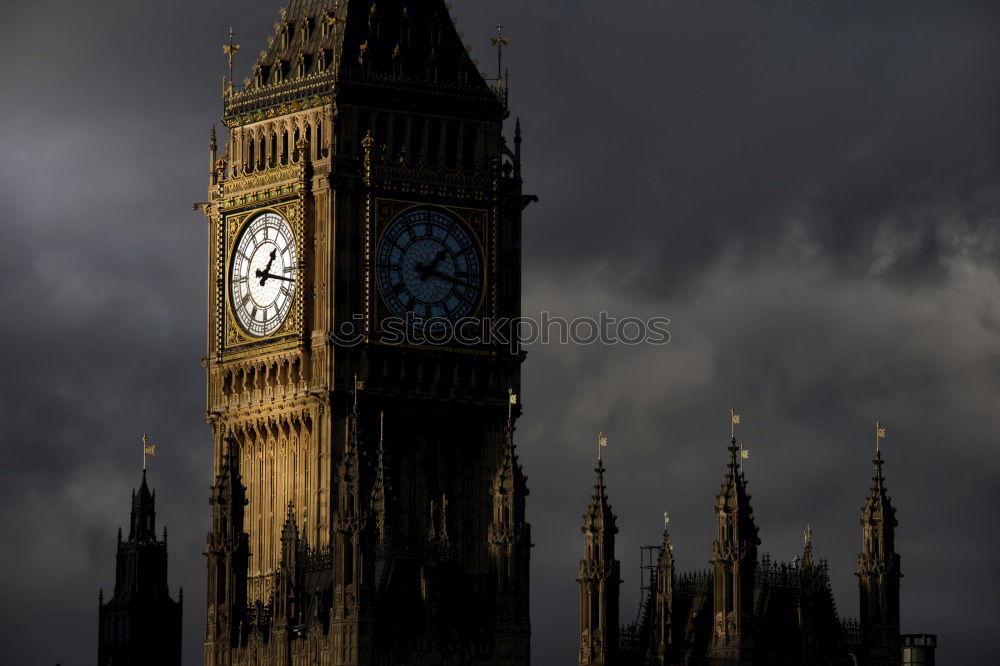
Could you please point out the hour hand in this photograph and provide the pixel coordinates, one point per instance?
(267, 268)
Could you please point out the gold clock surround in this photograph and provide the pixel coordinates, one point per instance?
(234, 336)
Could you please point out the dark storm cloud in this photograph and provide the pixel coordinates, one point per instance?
(808, 189)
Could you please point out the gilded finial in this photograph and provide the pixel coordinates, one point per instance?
(501, 43)
(602, 441)
(231, 49)
(879, 436)
(511, 403)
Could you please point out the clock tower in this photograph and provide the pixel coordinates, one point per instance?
(364, 230)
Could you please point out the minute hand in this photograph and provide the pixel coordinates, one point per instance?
(264, 275)
(446, 277)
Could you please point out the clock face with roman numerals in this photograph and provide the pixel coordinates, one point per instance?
(429, 265)
(262, 274)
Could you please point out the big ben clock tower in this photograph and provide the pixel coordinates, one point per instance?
(364, 221)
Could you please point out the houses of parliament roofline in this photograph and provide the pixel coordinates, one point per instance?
(745, 609)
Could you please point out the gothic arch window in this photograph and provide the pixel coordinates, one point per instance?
(417, 139)
(436, 31)
(432, 67)
(364, 125)
(399, 135)
(307, 27)
(469, 131)
(404, 28)
(381, 129)
(280, 70)
(452, 129)
(397, 62)
(434, 141)
(374, 22)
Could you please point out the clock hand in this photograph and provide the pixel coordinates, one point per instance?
(445, 276)
(263, 275)
(427, 269)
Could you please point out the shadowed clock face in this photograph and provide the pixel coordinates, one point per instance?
(263, 274)
(429, 265)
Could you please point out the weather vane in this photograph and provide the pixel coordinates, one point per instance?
(147, 450)
(734, 421)
(511, 402)
(879, 435)
(602, 441)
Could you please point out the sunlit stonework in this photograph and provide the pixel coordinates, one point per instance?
(368, 506)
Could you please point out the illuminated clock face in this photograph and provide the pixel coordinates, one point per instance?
(262, 274)
(429, 265)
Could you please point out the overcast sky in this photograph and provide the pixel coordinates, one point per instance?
(809, 190)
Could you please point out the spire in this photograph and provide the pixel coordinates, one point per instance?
(510, 550)
(599, 579)
(734, 560)
(288, 573)
(289, 531)
(666, 548)
(141, 596)
(380, 493)
(517, 149)
(229, 494)
(350, 512)
(878, 506)
(663, 599)
(227, 551)
(599, 517)
(143, 523)
(807, 550)
(879, 569)
(510, 485)
(734, 487)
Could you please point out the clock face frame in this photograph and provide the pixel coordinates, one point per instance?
(262, 274)
(429, 264)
